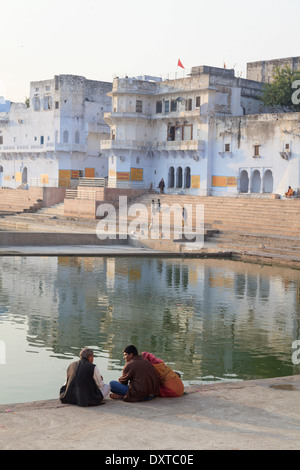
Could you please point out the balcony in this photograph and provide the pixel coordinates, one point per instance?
(167, 146)
(124, 145)
(179, 114)
(179, 145)
(98, 128)
(47, 147)
(115, 117)
(69, 147)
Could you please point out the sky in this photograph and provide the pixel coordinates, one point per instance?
(103, 39)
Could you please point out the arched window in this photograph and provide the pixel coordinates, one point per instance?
(77, 137)
(171, 177)
(187, 177)
(256, 182)
(179, 177)
(268, 182)
(244, 182)
(66, 137)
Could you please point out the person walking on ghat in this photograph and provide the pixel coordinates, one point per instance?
(161, 186)
(84, 385)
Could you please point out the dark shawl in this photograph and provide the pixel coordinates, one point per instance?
(81, 389)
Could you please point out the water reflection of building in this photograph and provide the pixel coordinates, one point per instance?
(201, 315)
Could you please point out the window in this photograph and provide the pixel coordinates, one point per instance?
(42, 140)
(197, 101)
(1, 139)
(36, 103)
(66, 137)
(256, 150)
(77, 137)
(56, 105)
(173, 105)
(187, 132)
(188, 104)
(167, 106)
(227, 147)
(139, 106)
(171, 133)
(47, 103)
(184, 132)
(158, 106)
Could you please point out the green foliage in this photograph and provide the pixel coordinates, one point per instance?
(27, 102)
(282, 92)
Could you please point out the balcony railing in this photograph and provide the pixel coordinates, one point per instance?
(47, 147)
(161, 145)
(124, 144)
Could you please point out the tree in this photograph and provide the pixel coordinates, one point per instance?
(282, 91)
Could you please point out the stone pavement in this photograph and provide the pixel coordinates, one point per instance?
(248, 415)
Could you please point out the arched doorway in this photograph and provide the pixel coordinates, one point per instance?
(187, 177)
(256, 182)
(1, 176)
(66, 137)
(171, 177)
(244, 182)
(179, 177)
(268, 182)
(24, 175)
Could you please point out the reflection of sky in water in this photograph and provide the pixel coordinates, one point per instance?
(209, 319)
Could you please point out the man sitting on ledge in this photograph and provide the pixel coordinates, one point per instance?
(84, 385)
(139, 380)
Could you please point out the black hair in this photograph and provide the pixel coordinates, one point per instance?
(131, 350)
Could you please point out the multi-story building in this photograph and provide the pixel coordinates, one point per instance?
(205, 134)
(55, 135)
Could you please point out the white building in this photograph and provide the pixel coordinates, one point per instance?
(205, 134)
(55, 138)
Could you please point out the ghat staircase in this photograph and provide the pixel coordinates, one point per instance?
(260, 226)
(14, 201)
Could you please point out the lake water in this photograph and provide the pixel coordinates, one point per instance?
(211, 320)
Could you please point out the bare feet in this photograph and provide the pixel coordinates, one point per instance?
(115, 396)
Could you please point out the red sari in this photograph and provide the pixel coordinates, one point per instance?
(170, 383)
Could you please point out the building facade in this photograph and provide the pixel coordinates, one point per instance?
(55, 136)
(206, 134)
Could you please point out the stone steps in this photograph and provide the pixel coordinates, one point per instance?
(14, 200)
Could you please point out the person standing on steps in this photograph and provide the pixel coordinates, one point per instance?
(161, 186)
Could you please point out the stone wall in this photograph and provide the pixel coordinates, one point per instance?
(262, 71)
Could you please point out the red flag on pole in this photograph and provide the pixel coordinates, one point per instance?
(180, 64)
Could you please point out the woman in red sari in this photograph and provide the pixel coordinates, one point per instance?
(170, 382)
